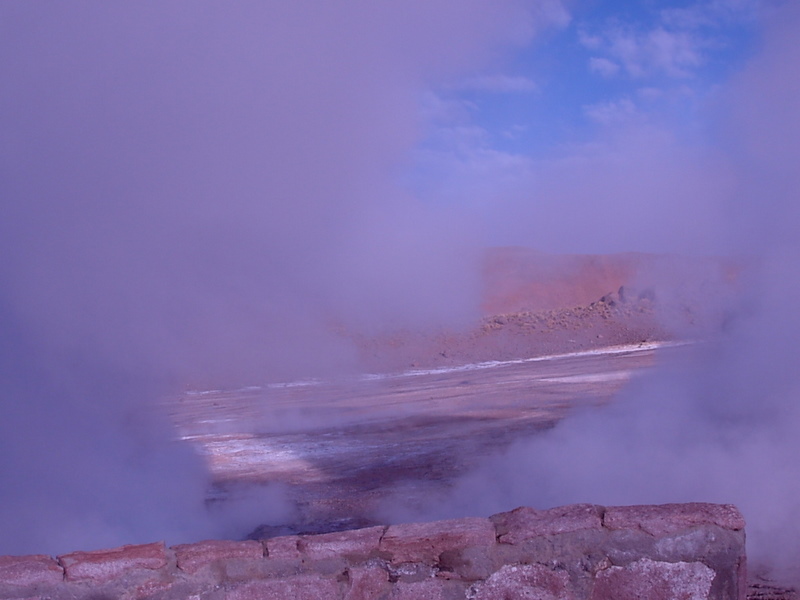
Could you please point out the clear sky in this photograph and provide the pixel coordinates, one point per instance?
(593, 64)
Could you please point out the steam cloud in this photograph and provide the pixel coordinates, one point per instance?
(200, 192)
(722, 424)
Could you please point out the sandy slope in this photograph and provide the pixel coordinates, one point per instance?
(536, 303)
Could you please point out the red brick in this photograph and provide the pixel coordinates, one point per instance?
(646, 579)
(193, 557)
(35, 569)
(666, 519)
(106, 565)
(301, 587)
(357, 542)
(526, 523)
(283, 547)
(424, 542)
(367, 583)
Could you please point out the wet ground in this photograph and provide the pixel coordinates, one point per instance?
(341, 447)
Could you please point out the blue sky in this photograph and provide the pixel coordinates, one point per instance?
(597, 63)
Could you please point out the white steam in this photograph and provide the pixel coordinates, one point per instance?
(722, 423)
(194, 193)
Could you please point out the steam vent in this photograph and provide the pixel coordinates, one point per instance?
(579, 552)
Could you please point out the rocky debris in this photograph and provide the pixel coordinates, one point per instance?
(536, 304)
(579, 552)
(625, 295)
(523, 279)
(525, 333)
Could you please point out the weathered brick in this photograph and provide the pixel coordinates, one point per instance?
(300, 587)
(685, 552)
(424, 542)
(646, 579)
(526, 523)
(283, 547)
(367, 583)
(468, 564)
(193, 557)
(354, 543)
(101, 566)
(666, 519)
(521, 582)
(35, 569)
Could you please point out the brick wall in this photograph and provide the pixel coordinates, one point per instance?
(578, 552)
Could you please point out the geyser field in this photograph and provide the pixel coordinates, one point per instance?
(300, 265)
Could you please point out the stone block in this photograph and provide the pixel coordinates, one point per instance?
(468, 564)
(101, 566)
(538, 550)
(367, 583)
(424, 542)
(646, 579)
(193, 557)
(577, 546)
(357, 543)
(666, 519)
(524, 582)
(579, 552)
(285, 547)
(526, 523)
(717, 546)
(35, 569)
(300, 587)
